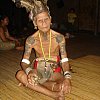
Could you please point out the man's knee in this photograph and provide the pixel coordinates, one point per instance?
(21, 77)
(19, 74)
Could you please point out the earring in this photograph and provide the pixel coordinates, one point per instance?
(35, 27)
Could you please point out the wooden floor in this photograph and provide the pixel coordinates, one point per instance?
(85, 79)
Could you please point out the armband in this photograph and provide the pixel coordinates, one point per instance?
(26, 61)
(28, 70)
(64, 60)
(67, 74)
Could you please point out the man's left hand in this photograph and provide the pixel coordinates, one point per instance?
(66, 85)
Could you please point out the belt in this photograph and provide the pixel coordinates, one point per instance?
(53, 61)
(48, 59)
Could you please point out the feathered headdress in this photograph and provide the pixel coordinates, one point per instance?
(33, 6)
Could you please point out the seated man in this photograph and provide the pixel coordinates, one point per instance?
(7, 42)
(45, 74)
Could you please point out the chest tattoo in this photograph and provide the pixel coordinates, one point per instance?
(45, 36)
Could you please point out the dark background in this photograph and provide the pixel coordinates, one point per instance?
(88, 12)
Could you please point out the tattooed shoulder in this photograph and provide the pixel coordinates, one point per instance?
(59, 38)
(30, 40)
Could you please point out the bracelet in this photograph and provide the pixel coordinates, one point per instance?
(67, 74)
(64, 60)
(27, 70)
(26, 61)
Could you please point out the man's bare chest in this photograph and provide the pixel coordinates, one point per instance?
(46, 46)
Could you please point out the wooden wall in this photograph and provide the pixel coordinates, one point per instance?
(85, 9)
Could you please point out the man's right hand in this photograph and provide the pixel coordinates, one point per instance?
(32, 77)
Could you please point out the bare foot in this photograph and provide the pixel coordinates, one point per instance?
(61, 93)
(20, 84)
(61, 98)
(57, 87)
(58, 96)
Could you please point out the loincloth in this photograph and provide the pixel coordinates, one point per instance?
(45, 69)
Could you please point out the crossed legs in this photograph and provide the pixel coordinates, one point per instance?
(50, 88)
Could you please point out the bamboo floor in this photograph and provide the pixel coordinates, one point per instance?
(85, 78)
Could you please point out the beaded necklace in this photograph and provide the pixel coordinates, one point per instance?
(43, 48)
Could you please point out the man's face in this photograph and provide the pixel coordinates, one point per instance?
(43, 22)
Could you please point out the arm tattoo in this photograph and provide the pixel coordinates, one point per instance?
(62, 49)
(28, 47)
(27, 50)
(59, 38)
